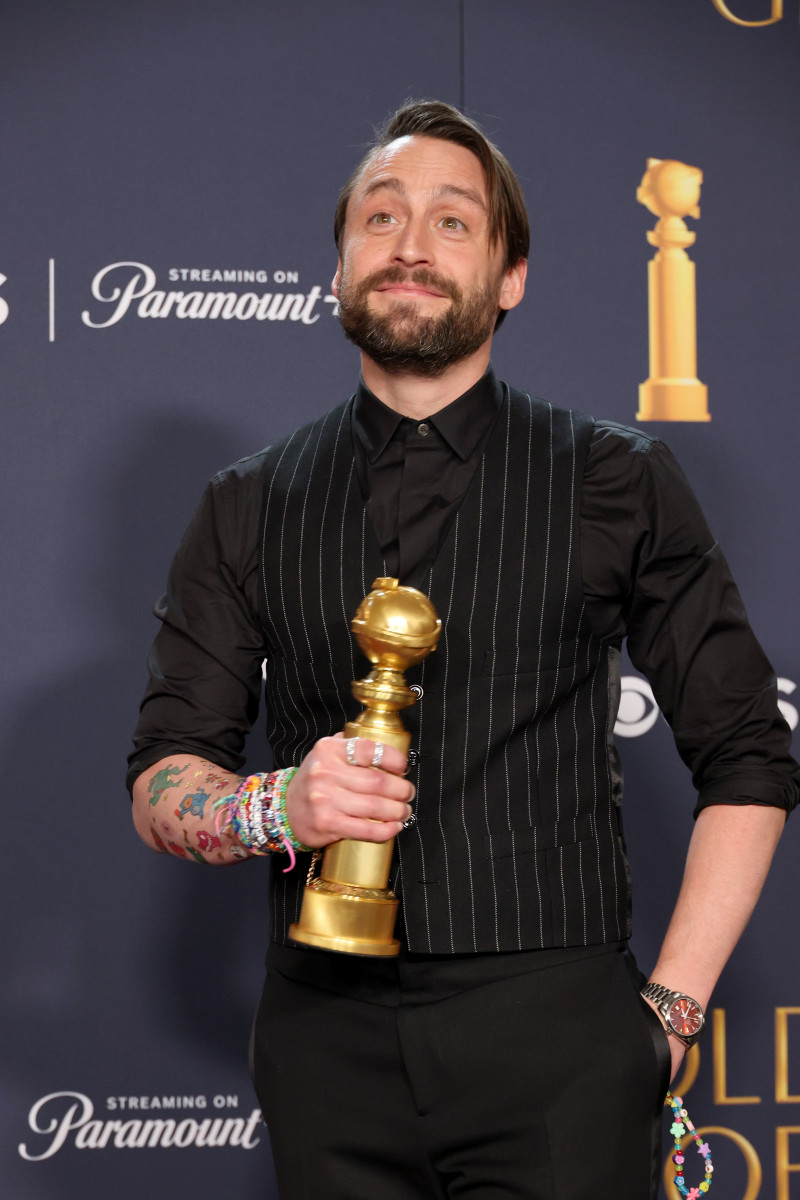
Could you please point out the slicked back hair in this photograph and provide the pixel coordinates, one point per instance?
(508, 217)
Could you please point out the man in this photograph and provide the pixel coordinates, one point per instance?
(507, 1051)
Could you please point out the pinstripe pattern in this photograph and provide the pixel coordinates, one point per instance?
(350, 478)
(320, 571)
(440, 804)
(611, 712)
(515, 694)
(516, 842)
(491, 684)
(567, 581)
(465, 774)
(414, 832)
(528, 775)
(597, 767)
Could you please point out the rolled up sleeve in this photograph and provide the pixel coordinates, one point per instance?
(687, 628)
(205, 665)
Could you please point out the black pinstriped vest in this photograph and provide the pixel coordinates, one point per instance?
(517, 843)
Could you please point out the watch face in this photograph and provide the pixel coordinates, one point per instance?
(685, 1017)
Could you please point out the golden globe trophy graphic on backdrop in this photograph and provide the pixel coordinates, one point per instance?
(350, 907)
(671, 190)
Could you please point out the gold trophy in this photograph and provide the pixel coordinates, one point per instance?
(350, 907)
(673, 392)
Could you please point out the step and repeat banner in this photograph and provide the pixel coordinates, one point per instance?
(169, 176)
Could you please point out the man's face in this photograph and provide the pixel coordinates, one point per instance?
(419, 283)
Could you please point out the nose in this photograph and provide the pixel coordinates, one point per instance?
(413, 246)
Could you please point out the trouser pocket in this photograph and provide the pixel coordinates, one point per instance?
(661, 1045)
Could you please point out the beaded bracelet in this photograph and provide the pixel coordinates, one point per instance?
(256, 815)
(681, 1125)
(280, 782)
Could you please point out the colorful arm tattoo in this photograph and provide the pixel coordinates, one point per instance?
(163, 780)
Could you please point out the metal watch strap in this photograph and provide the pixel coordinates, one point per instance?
(658, 993)
(664, 997)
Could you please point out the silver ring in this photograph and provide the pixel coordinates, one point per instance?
(377, 754)
(350, 751)
(410, 822)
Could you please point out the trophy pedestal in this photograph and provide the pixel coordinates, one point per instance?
(350, 908)
(673, 400)
(349, 920)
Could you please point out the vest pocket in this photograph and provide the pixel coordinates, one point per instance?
(532, 839)
(549, 656)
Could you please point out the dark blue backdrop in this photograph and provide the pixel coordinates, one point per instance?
(215, 135)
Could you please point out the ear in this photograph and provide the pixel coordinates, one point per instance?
(513, 286)
(336, 279)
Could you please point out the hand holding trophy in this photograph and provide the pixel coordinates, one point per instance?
(349, 907)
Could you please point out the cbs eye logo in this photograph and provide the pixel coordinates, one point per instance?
(790, 714)
(3, 303)
(638, 711)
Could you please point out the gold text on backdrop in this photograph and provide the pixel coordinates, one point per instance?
(784, 1167)
(671, 190)
(782, 1093)
(776, 15)
(720, 1064)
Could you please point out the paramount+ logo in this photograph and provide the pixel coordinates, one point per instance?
(129, 287)
(62, 1119)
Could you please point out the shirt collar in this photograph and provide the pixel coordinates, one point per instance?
(462, 423)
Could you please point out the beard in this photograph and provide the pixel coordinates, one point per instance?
(405, 342)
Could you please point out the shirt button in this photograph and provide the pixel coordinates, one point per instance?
(423, 430)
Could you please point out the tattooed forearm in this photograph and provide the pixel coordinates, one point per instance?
(163, 780)
(174, 810)
(194, 803)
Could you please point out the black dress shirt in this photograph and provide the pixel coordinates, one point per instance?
(413, 474)
(651, 571)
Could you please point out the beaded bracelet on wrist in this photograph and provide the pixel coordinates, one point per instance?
(256, 815)
(280, 782)
(250, 815)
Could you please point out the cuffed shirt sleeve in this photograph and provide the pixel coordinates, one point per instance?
(653, 572)
(205, 664)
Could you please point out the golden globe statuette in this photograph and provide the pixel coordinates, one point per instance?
(350, 908)
(673, 392)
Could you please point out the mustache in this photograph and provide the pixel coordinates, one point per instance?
(422, 277)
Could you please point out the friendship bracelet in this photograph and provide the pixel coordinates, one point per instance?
(681, 1125)
(225, 809)
(281, 780)
(256, 815)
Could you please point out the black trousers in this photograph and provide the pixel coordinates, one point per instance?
(544, 1085)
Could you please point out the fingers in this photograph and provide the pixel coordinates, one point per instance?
(364, 831)
(376, 808)
(339, 792)
(365, 790)
(361, 752)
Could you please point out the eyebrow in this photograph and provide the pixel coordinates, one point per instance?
(393, 184)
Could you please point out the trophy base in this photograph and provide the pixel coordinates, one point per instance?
(341, 945)
(673, 400)
(344, 921)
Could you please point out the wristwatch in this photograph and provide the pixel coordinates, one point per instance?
(684, 1016)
